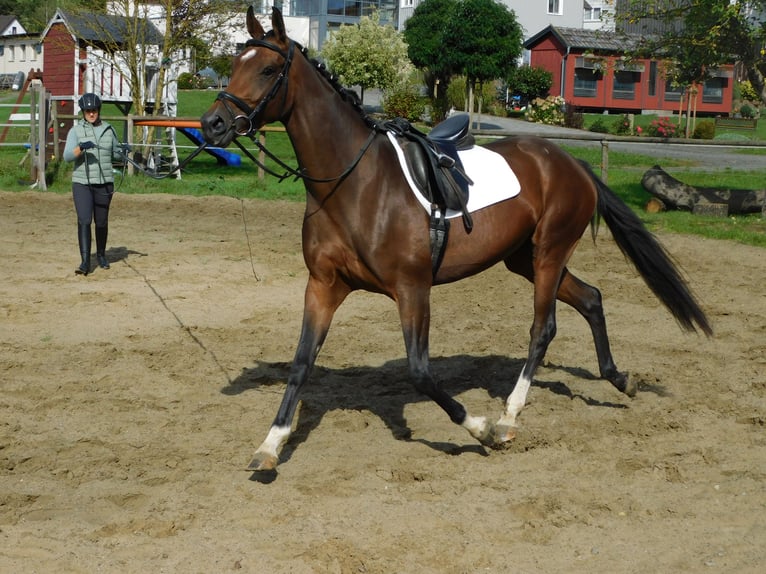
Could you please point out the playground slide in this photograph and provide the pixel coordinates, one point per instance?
(224, 157)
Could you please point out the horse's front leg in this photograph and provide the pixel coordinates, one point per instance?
(321, 302)
(414, 312)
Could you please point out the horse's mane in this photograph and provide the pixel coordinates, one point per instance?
(348, 96)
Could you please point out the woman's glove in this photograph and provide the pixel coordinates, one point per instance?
(86, 145)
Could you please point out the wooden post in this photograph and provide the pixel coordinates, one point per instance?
(42, 139)
(55, 123)
(129, 137)
(604, 161)
(261, 155)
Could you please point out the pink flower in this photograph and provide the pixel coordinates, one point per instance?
(639, 130)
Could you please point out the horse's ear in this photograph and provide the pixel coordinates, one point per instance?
(253, 25)
(278, 25)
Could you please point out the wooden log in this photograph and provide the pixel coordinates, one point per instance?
(654, 205)
(677, 195)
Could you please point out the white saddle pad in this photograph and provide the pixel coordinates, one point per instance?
(493, 179)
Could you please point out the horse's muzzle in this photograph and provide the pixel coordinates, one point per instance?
(217, 130)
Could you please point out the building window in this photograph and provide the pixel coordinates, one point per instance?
(554, 7)
(712, 91)
(592, 14)
(408, 3)
(652, 78)
(624, 86)
(586, 82)
(11, 53)
(673, 94)
(22, 53)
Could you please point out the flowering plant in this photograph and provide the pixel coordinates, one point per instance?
(663, 128)
(547, 111)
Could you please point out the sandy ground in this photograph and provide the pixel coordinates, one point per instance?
(132, 399)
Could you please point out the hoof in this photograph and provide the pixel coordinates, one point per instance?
(631, 387)
(262, 462)
(623, 383)
(487, 436)
(503, 435)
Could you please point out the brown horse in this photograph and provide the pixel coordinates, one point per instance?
(364, 229)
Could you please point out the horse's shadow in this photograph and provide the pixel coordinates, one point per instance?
(116, 254)
(386, 390)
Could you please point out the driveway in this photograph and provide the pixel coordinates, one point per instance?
(703, 154)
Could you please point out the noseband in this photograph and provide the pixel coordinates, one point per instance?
(247, 120)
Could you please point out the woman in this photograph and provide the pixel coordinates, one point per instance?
(92, 145)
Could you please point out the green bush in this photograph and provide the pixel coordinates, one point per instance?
(599, 126)
(704, 130)
(186, 81)
(529, 83)
(624, 126)
(573, 118)
(404, 102)
(747, 111)
(456, 95)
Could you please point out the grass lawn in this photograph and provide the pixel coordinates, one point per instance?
(644, 121)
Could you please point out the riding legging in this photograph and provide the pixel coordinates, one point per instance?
(91, 202)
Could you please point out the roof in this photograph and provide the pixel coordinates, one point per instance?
(578, 38)
(97, 27)
(6, 22)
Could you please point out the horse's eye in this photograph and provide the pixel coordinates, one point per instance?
(269, 71)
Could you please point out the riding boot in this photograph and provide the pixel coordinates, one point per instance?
(83, 238)
(101, 233)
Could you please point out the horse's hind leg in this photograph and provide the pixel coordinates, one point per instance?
(547, 273)
(586, 299)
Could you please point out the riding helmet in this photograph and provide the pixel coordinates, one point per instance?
(89, 101)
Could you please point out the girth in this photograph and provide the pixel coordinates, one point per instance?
(436, 169)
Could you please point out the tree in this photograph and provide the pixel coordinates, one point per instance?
(700, 35)
(424, 35)
(147, 44)
(483, 41)
(367, 54)
(221, 65)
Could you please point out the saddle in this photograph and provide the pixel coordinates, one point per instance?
(436, 169)
(434, 163)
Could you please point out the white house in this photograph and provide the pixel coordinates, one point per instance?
(20, 51)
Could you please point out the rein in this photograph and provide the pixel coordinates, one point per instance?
(177, 168)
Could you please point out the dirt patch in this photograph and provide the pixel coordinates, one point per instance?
(133, 398)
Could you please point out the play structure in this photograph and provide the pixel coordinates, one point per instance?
(186, 126)
(224, 157)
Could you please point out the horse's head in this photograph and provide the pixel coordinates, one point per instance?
(257, 92)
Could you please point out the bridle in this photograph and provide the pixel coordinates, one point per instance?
(248, 123)
(247, 120)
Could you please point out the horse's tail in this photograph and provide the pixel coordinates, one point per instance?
(650, 258)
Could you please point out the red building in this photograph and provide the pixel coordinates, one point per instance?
(79, 57)
(590, 72)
